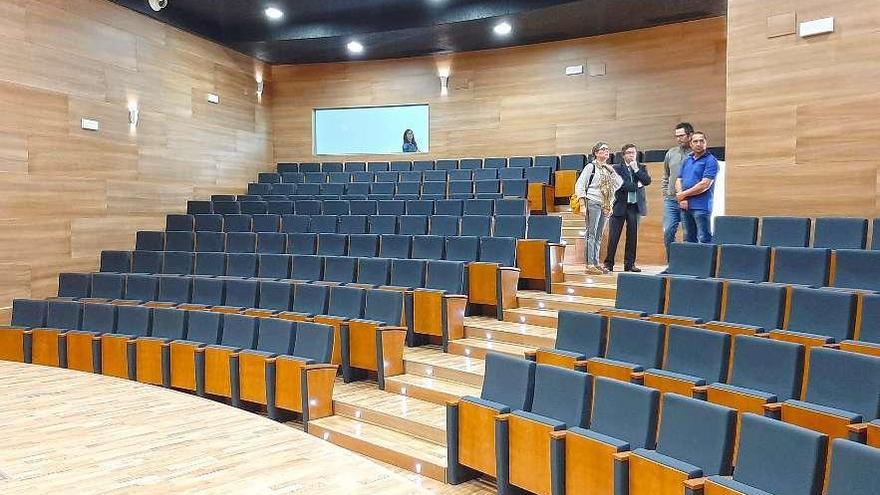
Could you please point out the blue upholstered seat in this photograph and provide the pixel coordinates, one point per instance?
(692, 259)
(743, 262)
(736, 230)
(693, 298)
(854, 469)
(641, 294)
(858, 269)
(785, 231)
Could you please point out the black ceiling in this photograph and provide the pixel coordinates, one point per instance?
(318, 30)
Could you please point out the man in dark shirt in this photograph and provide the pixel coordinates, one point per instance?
(694, 188)
(629, 205)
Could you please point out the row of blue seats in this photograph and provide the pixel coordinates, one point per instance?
(460, 189)
(545, 438)
(827, 232)
(534, 174)
(344, 206)
(855, 269)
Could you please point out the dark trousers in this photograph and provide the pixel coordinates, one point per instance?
(615, 227)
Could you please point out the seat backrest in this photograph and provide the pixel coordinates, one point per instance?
(452, 207)
(780, 458)
(210, 242)
(392, 207)
(444, 164)
(207, 291)
(314, 341)
(29, 313)
(332, 244)
(234, 223)
(306, 267)
(266, 223)
(175, 289)
(280, 207)
(423, 165)
(736, 230)
(178, 262)
(408, 273)
(386, 306)
(697, 352)
(840, 233)
(383, 224)
(510, 226)
(476, 225)
(301, 243)
(741, 262)
(581, 332)
(694, 298)
(822, 312)
(448, 276)
(547, 227)
(108, 285)
(684, 420)
(346, 302)
(363, 245)
(241, 242)
(690, 258)
(511, 206)
(625, 411)
(802, 266)
(169, 323)
(412, 225)
(634, 341)
(395, 246)
(324, 224)
(241, 293)
(639, 292)
(444, 225)
(310, 299)
(854, 468)
(875, 236)
(520, 161)
(295, 224)
(141, 288)
(476, 175)
(146, 262)
(572, 162)
(74, 285)
(146, 240)
(759, 305)
(400, 165)
(353, 224)
(479, 207)
(771, 366)
(116, 261)
(133, 320)
(378, 166)
(844, 380)
(340, 269)
(857, 269)
(462, 248)
(331, 167)
(180, 241)
(309, 167)
(363, 207)
(511, 173)
(428, 247)
(785, 231)
(241, 264)
(562, 394)
(239, 331)
(870, 321)
(275, 296)
(542, 175)
(500, 250)
(495, 163)
(209, 223)
(271, 243)
(373, 271)
(99, 318)
(509, 380)
(200, 207)
(253, 207)
(64, 315)
(210, 264)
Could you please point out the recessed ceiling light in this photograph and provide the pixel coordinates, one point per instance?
(274, 13)
(355, 47)
(503, 28)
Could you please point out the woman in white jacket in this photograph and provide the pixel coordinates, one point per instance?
(595, 189)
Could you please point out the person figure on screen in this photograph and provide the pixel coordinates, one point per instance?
(409, 142)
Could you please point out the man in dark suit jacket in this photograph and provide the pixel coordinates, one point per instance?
(629, 205)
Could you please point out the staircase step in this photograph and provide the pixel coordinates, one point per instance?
(529, 316)
(491, 329)
(542, 300)
(477, 348)
(432, 362)
(363, 401)
(586, 289)
(396, 448)
(434, 390)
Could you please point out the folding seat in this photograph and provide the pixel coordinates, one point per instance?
(444, 294)
(412, 224)
(692, 259)
(386, 178)
(234, 223)
(461, 189)
(116, 261)
(514, 188)
(118, 351)
(363, 207)
(420, 207)
(511, 207)
(243, 198)
(332, 191)
(750, 309)
(801, 266)
(48, 343)
(468, 163)
(139, 289)
(479, 207)
(315, 177)
(290, 187)
(395, 246)
(539, 175)
(324, 224)
(238, 296)
(476, 225)
(427, 247)
(511, 174)
(180, 241)
(539, 255)
(446, 165)
(274, 297)
(287, 167)
(406, 177)
(408, 274)
(540, 191)
(208, 223)
(510, 226)
(344, 304)
(520, 162)
(840, 233)
(357, 188)
(295, 224)
(146, 261)
(307, 207)
(408, 189)
(444, 225)
(271, 243)
(106, 287)
(401, 166)
(373, 272)
(282, 207)
(499, 163)
(392, 207)
(694, 357)
(308, 300)
(460, 175)
(691, 301)
(741, 262)
(74, 285)
(210, 264)
(172, 291)
(579, 336)
(378, 166)
(230, 207)
(785, 232)
(494, 278)
(309, 167)
(566, 176)
(857, 269)
(382, 187)
(339, 177)
(853, 468)
(463, 248)
(220, 360)
(83, 346)
(633, 346)
(15, 338)
(257, 188)
(842, 389)
(241, 265)
(363, 245)
(508, 385)
(332, 244)
(353, 224)
(274, 266)
(149, 355)
(268, 178)
(423, 165)
(339, 270)
(253, 207)
(179, 222)
(207, 242)
(292, 177)
(206, 293)
(677, 458)
(241, 242)
(451, 207)
(774, 457)
(736, 230)
(867, 336)
(306, 267)
(490, 186)
(434, 189)
(266, 223)
(817, 317)
(199, 207)
(304, 191)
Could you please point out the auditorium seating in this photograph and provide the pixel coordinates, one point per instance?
(692, 259)
(693, 357)
(118, 349)
(736, 230)
(853, 469)
(751, 308)
(802, 266)
(15, 339)
(691, 301)
(741, 262)
(438, 308)
(633, 345)
(857, 269)
(867, 337)
(817, 317)
(638, 295)
(785, 232)
(579, 336)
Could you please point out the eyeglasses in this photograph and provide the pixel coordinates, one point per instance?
(604, 148)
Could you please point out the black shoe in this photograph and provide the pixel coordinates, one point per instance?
(633, 269)
(608, 267)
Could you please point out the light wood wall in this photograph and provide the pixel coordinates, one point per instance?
(65, 193)
(803, 114)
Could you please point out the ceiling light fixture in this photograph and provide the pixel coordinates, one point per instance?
(355, 47)
(274, 13)
(503, 28)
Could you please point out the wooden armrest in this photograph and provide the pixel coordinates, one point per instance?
(321, 367)
(558, 435)
(695, 483)
(763, 335)
(385, 328)
(773, 407)
(832, 346)
(509, 269)
(453, 403)
(858, 428)
(531, 355)
(502, 417)
(455, 296)
(621, 456)
(272, 359)
(638, 375)
(701, 389)
(200, 349)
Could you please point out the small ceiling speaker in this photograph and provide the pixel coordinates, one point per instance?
(157, 5)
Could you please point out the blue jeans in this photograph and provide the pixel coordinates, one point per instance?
(671, 219)
(697, 226)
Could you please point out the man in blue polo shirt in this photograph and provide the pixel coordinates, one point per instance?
(694, 188)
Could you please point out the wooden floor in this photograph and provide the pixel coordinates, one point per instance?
(69, 432)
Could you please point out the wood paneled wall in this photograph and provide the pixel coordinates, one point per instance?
(65, 193)
(518, 100)
(803, 114)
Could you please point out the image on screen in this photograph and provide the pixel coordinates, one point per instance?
(372, 130)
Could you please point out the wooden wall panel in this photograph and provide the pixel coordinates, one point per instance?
(65, 193)
(802, 113)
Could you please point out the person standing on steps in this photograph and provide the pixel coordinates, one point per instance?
(629, 206)
(671, 166)
(595, 189)
(694, 189)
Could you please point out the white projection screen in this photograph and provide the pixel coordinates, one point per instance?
(369, 130)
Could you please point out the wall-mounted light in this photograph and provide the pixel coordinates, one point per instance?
(134, 115)
(444, 85)
(260, 87)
